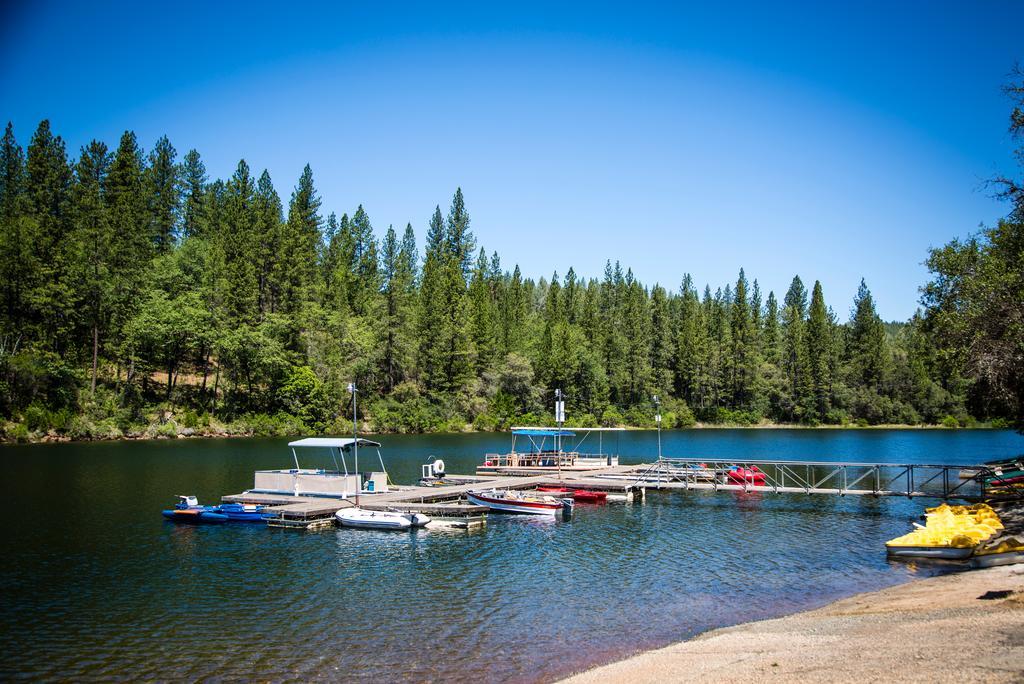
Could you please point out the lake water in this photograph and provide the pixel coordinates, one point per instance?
(96, 585)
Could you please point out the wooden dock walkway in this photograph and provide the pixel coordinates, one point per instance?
(778, 477)
(442, 501)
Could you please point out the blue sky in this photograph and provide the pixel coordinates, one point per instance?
(837, 143)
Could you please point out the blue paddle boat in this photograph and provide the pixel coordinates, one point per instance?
(188, 510)
(236, 512)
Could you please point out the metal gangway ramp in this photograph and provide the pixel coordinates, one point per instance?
(942, 481)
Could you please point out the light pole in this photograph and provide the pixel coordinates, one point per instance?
(657, 419)
(355, 433)
(559, 420)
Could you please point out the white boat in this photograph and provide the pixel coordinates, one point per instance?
(511, 501)
(372, 520)
(417, 519)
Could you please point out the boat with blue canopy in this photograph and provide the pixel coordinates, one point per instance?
(553, 449)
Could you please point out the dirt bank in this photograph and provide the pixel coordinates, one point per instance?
(932, 630)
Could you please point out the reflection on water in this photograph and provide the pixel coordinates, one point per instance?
(97, 585)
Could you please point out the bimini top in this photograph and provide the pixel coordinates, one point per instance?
(553, 431)
(331, 442)
(542, 432)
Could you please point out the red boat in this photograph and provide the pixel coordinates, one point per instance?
(749, 476)
(577, 494)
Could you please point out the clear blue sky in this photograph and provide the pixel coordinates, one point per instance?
(836, 143)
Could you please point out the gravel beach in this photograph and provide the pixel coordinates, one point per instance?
(931, 630)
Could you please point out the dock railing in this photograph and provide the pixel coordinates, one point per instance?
(944, 481)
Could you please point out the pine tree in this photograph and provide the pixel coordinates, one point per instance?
(94, 238)
(756, 315)
(867, 349)
(661, 341)
(459, 241)
(193, 212)
(131, 238)
(613, 343)
(719, 312)
(482, 314)
(268, 228)
(432, 323)
(637, 317)
(297, 266)
(770, 339)
(794, 346)
(819, 353)
(744, 347)
(366, 280)
(512, 312)
(691, 346)
(553, 362)
(18, 267)
(459, 245)
(162, 186)
(398, 264)
(239, 244)
(51, 297)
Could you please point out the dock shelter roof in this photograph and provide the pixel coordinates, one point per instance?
(543, 432)
(552, 431)
(331, 442)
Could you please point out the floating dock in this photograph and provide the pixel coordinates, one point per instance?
(446, 502)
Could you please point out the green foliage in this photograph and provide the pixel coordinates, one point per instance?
(305, 397)
(405, 411)
(612, 417)
(949, 422)
(140, 297)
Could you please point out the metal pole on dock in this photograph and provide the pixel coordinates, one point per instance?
(657, 419)
(355, 434)
(559, 420)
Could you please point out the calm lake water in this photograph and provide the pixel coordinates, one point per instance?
(96, 585)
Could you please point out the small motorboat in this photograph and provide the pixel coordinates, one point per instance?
(587, 496)
(746, 476)
(237, 512)
(511, 501)
(584, 495)
(372, 520)
(188, 510)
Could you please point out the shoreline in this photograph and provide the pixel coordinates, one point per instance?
(929, 630)
(153, 433)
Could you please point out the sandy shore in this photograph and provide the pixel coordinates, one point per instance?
(932, 630)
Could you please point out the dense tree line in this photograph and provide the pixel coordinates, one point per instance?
(974, 304)
(139, 292)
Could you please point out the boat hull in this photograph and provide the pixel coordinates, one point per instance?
(513, 506)
(939, 552)
(194, 516)
(990, 560)
(372, 520)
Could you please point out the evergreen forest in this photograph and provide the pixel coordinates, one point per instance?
(140, 297)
